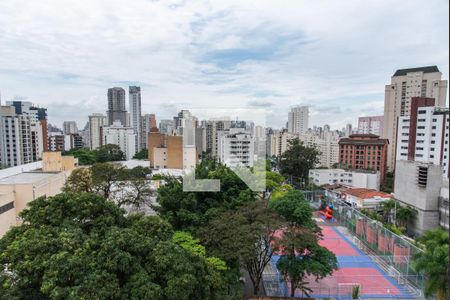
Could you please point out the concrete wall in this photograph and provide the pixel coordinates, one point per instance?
(20, 169)
(24, 193)
(55, 162)
(155, 140)
(189, 157)
(51, 161)
(423, 199)
(174, 152)
(8, 217)
(160, 158)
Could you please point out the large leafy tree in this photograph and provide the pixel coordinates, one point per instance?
(105, 153)
(143, 154)
(189, 210)
(104, 176)
(404, 214)
(79, 181)
(387, 207)
(294, 208)
(245, 235)
(302, 256)
(434, 262)
(109, 152)
(85, 156)
(111, 180)
(81, 246)
(273, 180)
(297, 160)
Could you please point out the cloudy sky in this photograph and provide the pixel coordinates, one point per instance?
(335, 56)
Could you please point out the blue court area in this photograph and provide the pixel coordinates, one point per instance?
(355, 268)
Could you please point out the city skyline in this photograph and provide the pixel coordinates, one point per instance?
(270, 55)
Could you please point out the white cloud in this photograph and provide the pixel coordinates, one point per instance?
(65, 54)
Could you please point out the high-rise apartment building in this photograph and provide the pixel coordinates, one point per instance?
(56, 142)
(15, 137)
(148, 122)
(364, 151)
(116, 106)
(38, 126)
(73, 141)
(166, 126)
(371, 125)
(422, 166)
(135, 107)
(96, 123)
(424, 135)
(298, 119)
(326, 142)
(124, 137)
(236, 148)
(70, 127)
(168, 152)
(30, 135)
(213, 129)
(405, 84)
(278, 142)
(348, 130)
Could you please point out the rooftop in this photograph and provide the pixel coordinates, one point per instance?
(27, 177)
(379, 142)
(327, 170)
(364, 135)
(366, 193)
(343, 171)
(20, 169)
(428, 69)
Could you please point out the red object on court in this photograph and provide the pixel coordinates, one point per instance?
(329, 213)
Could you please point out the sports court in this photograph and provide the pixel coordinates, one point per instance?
(354, 268)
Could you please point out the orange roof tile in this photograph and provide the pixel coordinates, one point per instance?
(366, 193)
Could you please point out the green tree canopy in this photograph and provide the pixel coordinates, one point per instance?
(244, 235)
(294, 208)
(189, 210)
(103, 154)
(297, 160)
(404, 214)
(109, 152)
(143, 154)
(113, 181)
(85, 156)
(434, 262)
(80, 246)
(273, 180)
(302, 257)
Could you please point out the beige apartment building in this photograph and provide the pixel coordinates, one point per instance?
(405, 84)
(168, 152)
(17, 190)
(279, 141)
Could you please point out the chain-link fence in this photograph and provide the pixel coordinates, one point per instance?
(388, 251)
